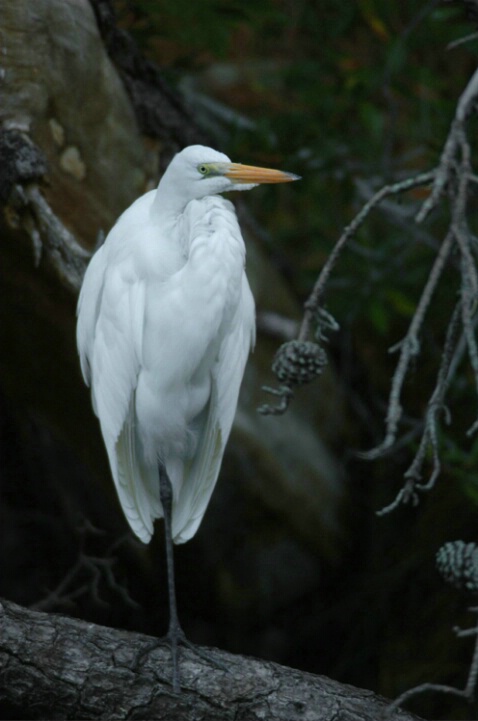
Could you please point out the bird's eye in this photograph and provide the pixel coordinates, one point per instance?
(203, 169)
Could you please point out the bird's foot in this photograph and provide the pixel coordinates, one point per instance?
(175, 638)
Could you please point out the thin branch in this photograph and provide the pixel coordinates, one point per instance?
(410, 348)
(435, 405)
(466, 693)
(442, 173)
(468, 38)
(97, 569)
(285, 395)
(315, 298)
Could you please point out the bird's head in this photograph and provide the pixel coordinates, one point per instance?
(198, 171)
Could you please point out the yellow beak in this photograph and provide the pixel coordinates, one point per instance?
(251, 174)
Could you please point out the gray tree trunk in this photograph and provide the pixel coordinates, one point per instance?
(56, 667)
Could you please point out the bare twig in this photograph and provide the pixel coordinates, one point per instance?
(315, 299)
(96, 569)
(429, 435)
(409, 349)
(468, 38)
(467, 693)
(446, 164)
(285, 395)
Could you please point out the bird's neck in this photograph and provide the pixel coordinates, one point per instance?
(168, 203)
(169, 212)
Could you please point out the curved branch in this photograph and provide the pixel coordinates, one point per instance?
(315, 298)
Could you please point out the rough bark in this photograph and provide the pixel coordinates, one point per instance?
(58, 667)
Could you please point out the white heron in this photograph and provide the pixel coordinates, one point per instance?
(165, 325)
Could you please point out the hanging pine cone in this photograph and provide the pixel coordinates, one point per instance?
(457, 562)
(298, 362)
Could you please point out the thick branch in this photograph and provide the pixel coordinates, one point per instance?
(159, 110)
(64, 668)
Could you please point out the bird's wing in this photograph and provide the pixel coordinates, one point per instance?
(89, 303)
(201, 475)
(109, 338)
(137, 484)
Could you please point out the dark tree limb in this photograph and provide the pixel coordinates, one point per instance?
(57, 667)
(159, 109)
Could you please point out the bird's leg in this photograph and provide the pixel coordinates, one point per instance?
(175, 633)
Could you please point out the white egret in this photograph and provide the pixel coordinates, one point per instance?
(165, 325)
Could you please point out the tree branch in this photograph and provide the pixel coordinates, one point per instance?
(61, 667)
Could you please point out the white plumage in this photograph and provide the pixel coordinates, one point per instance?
(165, 326)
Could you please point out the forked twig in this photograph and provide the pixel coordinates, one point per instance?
(97, 569)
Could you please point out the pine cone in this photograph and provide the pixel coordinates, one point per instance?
(457, 562)
(298, 362)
